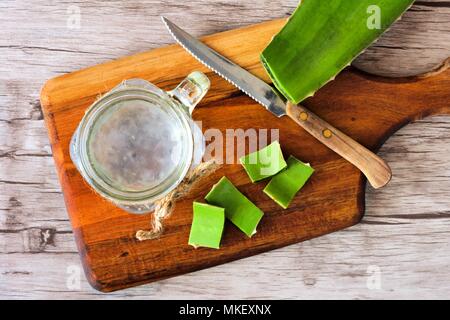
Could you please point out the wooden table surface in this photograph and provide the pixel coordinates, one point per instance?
(400, 249)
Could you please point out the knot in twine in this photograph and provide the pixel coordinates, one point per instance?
(164, 207)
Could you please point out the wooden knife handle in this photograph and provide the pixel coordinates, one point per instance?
(372, 166)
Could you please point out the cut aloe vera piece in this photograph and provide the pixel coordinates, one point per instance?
(321, 38)
(284, 186)
(264, 163)
(238, 208)
(207, 226)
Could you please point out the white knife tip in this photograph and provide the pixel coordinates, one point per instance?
(165, 21)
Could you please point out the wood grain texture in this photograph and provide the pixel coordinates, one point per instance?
(112, 257)
(416, 44)
(413, 209)
(375, 169)
(333, 199)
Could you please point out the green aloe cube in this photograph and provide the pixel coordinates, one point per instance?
(284, 186)
(238, 208)
(207, 226)
(264, 163)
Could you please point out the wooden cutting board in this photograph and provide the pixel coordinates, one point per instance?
(367, 108)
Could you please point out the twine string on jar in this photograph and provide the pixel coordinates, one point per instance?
(164, 207)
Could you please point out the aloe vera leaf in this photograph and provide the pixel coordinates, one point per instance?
(284, 186)
(321, 38)
(238, 208)
(264, 163)
(207, 226)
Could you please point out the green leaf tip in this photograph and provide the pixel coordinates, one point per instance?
(284, 186)
(207, 226)
(264, 163)
(321, 38)
(238, 208)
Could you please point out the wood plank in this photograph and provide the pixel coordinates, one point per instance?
(332, 266)
(45, 47)
(362, 107)
(416, 44)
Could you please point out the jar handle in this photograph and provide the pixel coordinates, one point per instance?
(191, 90)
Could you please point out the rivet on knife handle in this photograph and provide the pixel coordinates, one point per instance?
(374, 168)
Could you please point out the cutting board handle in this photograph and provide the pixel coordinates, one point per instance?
(376, 170)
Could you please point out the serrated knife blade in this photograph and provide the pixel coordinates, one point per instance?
(372, 166)
(251, 85)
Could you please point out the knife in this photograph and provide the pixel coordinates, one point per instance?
(372, 166)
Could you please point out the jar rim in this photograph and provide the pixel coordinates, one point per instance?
(124, 197)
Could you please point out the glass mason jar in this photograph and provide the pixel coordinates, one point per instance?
(136, 143)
